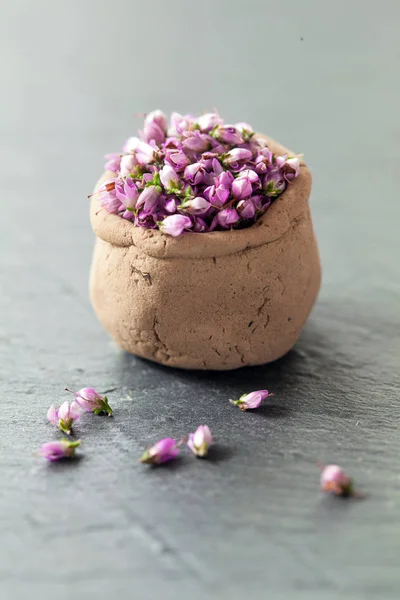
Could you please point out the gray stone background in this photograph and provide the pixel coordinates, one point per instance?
(323, 78)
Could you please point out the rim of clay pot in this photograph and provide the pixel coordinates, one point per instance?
(269, 228)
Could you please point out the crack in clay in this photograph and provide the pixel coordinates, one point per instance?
(259, 309)
(146, 276)
(240, 354)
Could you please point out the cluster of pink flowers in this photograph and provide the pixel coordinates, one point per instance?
(85, 400)
(195, 174)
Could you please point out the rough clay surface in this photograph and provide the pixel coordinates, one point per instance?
(248, 523)
(220, 300)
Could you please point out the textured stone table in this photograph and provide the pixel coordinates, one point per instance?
(250, 522)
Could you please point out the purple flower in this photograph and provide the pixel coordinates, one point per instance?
(64, 417)
(263, 160)
(291, 168)
(252, 400)
(194, 173)
(335, 481)
(169, 178)
(164, 450)
(127, 193)
(131, 144)
(148, 199)
(113, 162)
(236, 157)
(227, 217)
(196, 142)
(145, 153)
(246, 209)
(209, 121)
(53, 451)
(195, 206)
(245, 129)
(175, 225)
(91, 401)
(199, 225)
(242, 188)
(177, 159)
(228, 134)
(179, 124)
(155, 127)
(128, 164)
(274, 183)
(200, 440)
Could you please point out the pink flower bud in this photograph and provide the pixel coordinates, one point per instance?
(164, 450)
(335, 481)
(194, 173)
(91, 401)
(127, 192)
(196, 142)
(64, 417)
(177, 159)
(209, 121)
(246, 209)
(237, 156)
(169, 177)
(227, 217)
(291, 168)
(148, 199)
(53, 451)
(155, 127)
(175, 225)
(179, 124)
(251, 400)
(113, 162)
(274, 183)
(242, 188)
(228, 134)
(131, 144)
(195, 206)
(145, 153)
(200, 440)
(128, 164)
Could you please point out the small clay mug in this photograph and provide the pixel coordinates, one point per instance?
(218, 300)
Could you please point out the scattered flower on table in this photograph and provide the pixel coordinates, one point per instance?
(163, 451)
(251, 400)
(194, 174)
(65, 416)
(200, 440)
(91, 401)
(335, 481)
(58, 450)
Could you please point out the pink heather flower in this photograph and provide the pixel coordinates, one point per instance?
(246, 209)
(155, 127)
(175, 225)
(209, 121)
(169, 177)
(196, 142)
(237, 156)
(91, 401)
(148, 199)
(53, 451)
(128, 164)
(274, 183)
(242, 188)
(291, 168)
(200, 440)
(164, 450)
(228, 134)
(335, 481)
(131, 144)
(176, 168)
(127, 193)
(113, 162)
(195, 206)
(195, 173)
(64, 417)
(227, 217)
(177, 159)
(180, 124)
(252, 400)
(145, 153)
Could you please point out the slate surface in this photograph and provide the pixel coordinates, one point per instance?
(250, 522)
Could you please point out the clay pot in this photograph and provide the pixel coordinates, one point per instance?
(219, 300)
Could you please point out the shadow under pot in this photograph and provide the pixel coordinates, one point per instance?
(219, 300)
